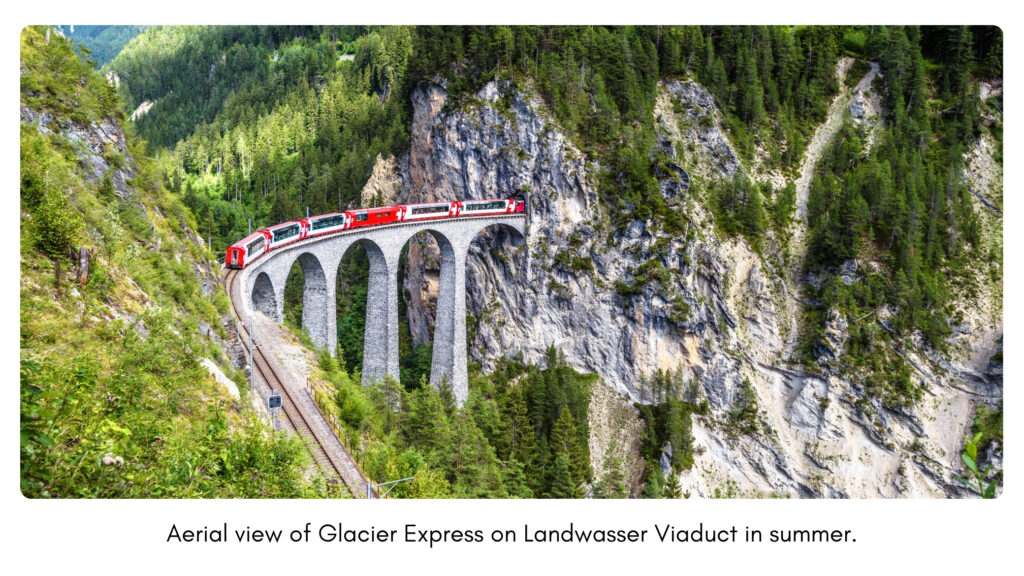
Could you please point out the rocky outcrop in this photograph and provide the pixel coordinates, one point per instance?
(982, 175)
(558, 288)
(700, 123)
(101, 151)
(384, 183)
(141, 110)
(101, 148)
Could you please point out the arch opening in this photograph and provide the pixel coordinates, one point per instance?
(365, 264)
(426, 267)
(263, 298)
(307, 300)
(350, 299)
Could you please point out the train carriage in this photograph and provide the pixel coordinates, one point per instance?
(254, 245)
(429, 211)
(326, 224)
(489, 207)
(245, 250)
(284, 234)
(374, 216)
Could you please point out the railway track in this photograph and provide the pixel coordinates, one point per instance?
(300, 411)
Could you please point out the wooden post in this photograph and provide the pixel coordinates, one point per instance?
(84, 257)
(56, 275)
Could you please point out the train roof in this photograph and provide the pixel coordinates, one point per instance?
(282, 225)
(318, 216)
(248, 239)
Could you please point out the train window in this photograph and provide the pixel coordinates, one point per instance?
(361, 217)
(496, 205)
(328, 222)
(255, 246)
(435, 209)
(286, 232)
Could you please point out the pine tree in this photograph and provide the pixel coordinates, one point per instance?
(538, 474)
(613, 481)
(517, 429)
(754, 215)
(654, 482)
(426, 426)
(283, 208)
(475, 472)
(515, 480)
(678, 422)
(447, 396)
(672, 489)
(560, 479)
(565, 441)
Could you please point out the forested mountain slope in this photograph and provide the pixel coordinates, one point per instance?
(102, 43)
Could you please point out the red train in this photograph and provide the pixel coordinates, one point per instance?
(262, 241)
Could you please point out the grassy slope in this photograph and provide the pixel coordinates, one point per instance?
(113, 400)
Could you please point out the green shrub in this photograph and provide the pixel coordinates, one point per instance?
(105, 190)
(744, 411)
(113, 157)
(55, 225)
(989, 422)
(582, 264)
(353, 404)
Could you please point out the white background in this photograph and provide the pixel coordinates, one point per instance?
(915, 537)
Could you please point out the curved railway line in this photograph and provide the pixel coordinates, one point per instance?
(301, 412)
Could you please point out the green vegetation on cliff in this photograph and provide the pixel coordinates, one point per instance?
(262, 122)
(902, 203)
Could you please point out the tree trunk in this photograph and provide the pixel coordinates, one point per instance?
(84, 257)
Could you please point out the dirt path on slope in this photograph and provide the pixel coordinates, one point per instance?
(823, 136)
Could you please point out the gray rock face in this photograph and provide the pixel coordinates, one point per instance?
(718, 315)
(96, 144)
(699, 107)
(857, 108)
(558, 289)
(829, 349)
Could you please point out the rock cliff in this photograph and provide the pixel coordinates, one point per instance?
(625, 302)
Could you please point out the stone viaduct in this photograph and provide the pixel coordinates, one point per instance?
(320, 257)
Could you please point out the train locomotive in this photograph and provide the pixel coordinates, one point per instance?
(241, 253)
